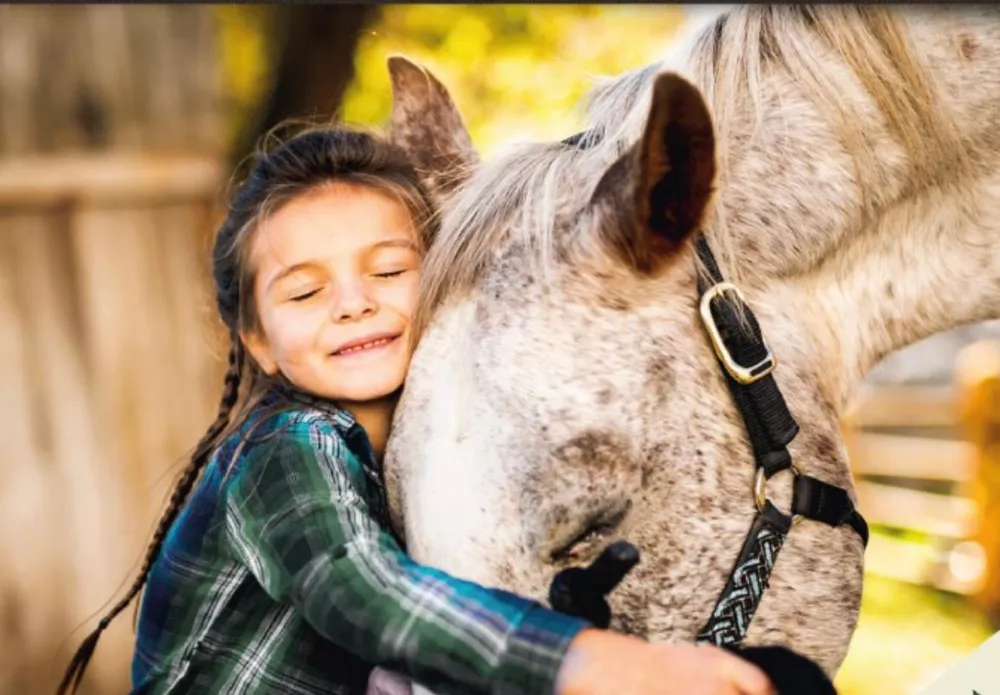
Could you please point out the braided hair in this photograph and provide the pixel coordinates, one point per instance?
(311, 158)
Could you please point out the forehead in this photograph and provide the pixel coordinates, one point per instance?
(330, 220)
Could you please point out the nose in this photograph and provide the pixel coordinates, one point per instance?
(353, 300)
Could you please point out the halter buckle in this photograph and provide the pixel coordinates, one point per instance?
(744, 375)
(760, 492)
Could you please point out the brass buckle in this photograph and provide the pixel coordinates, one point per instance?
(760, 493)
(744, 375)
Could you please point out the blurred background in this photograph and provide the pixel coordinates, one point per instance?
(120, 128)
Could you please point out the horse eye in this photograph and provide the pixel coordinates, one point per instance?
(596, 530)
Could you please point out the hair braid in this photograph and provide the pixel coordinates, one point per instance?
(230, 394)
(309, 159)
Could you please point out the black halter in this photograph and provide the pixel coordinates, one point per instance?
(748, 368)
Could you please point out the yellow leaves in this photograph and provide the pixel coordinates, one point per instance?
(467, 41)
(515, 71)
(242, 50)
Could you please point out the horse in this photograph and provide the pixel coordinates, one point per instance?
(841, 164)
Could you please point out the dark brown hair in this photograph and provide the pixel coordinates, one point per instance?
(309, 159)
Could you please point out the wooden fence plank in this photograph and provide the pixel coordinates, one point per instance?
(939, 515)
(84, 496)
(910, 457)
(103, 76)
(914, 563)
(903, 406)
(130, 178)
(137, 384)
(30, 520)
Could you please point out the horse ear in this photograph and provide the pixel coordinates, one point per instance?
(654, 197)
(427, 125)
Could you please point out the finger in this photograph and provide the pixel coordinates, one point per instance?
(748, 678)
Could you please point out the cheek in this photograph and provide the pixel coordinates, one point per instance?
(292, 332)
(402, 296)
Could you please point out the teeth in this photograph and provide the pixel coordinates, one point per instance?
(365, 346)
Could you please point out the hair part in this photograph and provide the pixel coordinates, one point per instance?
(312, 158)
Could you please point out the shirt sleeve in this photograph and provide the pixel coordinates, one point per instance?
(305, 532)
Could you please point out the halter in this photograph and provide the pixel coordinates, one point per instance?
(748, 368)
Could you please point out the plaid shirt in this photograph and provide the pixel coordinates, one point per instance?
(278, 577)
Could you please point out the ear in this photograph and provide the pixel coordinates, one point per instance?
(427, 125)
(260, 351)
(654, 197)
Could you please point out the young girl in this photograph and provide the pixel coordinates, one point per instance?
(281, 573)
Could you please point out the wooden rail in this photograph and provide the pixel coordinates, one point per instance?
(926, 461)
(108, 178)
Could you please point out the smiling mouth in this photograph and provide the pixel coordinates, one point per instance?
(364, 347)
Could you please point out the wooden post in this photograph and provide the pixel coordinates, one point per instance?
(111, 162)
(978, 381)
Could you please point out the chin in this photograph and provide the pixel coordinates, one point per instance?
(361, 393)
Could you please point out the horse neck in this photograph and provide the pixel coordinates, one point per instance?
(928, 264)
(866, 270)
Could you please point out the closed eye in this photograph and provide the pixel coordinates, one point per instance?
(390, 274)
(304, 296)
(595, 533)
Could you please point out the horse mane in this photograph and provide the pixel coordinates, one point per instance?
(520, 197)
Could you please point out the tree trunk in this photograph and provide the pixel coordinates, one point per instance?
(315, 65)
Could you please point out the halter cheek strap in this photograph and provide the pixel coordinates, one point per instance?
(748, 366)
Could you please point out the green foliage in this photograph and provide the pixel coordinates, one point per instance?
(907, 636)
(515, 71)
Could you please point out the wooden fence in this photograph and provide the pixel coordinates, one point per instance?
(927, 464)
(110, 372)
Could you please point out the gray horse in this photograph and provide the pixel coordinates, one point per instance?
(842, 163)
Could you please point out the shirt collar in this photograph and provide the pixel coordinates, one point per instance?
(283, 392)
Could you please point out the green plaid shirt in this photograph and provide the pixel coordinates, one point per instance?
(280, 577)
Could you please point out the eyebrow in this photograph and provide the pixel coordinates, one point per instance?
(290, 270)
(396, 243)
(305, 265)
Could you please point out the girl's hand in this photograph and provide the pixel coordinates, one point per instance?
(383, 682)
(601, 662)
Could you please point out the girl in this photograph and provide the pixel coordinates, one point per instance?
(281, 574)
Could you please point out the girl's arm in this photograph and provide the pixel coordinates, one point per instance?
(296, 519)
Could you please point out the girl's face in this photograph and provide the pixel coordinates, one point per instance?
(336, 276)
